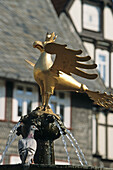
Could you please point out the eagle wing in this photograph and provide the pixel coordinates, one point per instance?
(68, 61)
(101, 99)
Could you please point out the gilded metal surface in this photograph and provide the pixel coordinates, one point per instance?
(51, 75)
(41, 111)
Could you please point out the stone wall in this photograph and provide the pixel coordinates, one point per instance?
(81, 128)
(82, 123)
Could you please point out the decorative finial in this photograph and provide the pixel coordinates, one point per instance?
(51, 37)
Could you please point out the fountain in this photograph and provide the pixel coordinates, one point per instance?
(54, 75)
(49, 128)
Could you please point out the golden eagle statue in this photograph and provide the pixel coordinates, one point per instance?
(51, 75)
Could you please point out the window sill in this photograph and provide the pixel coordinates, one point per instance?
(92, 34)
(97, 156)
(102, 159)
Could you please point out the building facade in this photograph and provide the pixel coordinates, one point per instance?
(93, 20)
(23, 22)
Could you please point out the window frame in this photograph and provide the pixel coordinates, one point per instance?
(99, 19)
(99, 51)
(93, 33)
(95, 134)
(85, 32)
(34, 98)
(66, 102)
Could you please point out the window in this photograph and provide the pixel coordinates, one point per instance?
(91, 17)
(20, 101)
(25, 99)
(29, 91)
(29, 106)
(20, 90)
(62, 112)
(103, 134)
(61, 105)
(53, 106)
(61, 95)
(102, 61)
(2, 100)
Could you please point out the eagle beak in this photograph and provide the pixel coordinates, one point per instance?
(39, 45)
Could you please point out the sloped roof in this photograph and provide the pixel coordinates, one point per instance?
(23, 22)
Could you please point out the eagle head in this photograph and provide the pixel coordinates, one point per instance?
(50, 37)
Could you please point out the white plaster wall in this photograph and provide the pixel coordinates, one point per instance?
(93, 134)
(67, 111)
(110, 143)
(112, 70)
(108, 23)
(75, 13)
(90, 49)
(101, 140)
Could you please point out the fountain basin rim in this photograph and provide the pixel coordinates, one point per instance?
(47, 167)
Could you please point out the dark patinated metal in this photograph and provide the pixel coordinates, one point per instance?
(45, 135)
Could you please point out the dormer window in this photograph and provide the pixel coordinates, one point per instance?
(91, 17)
